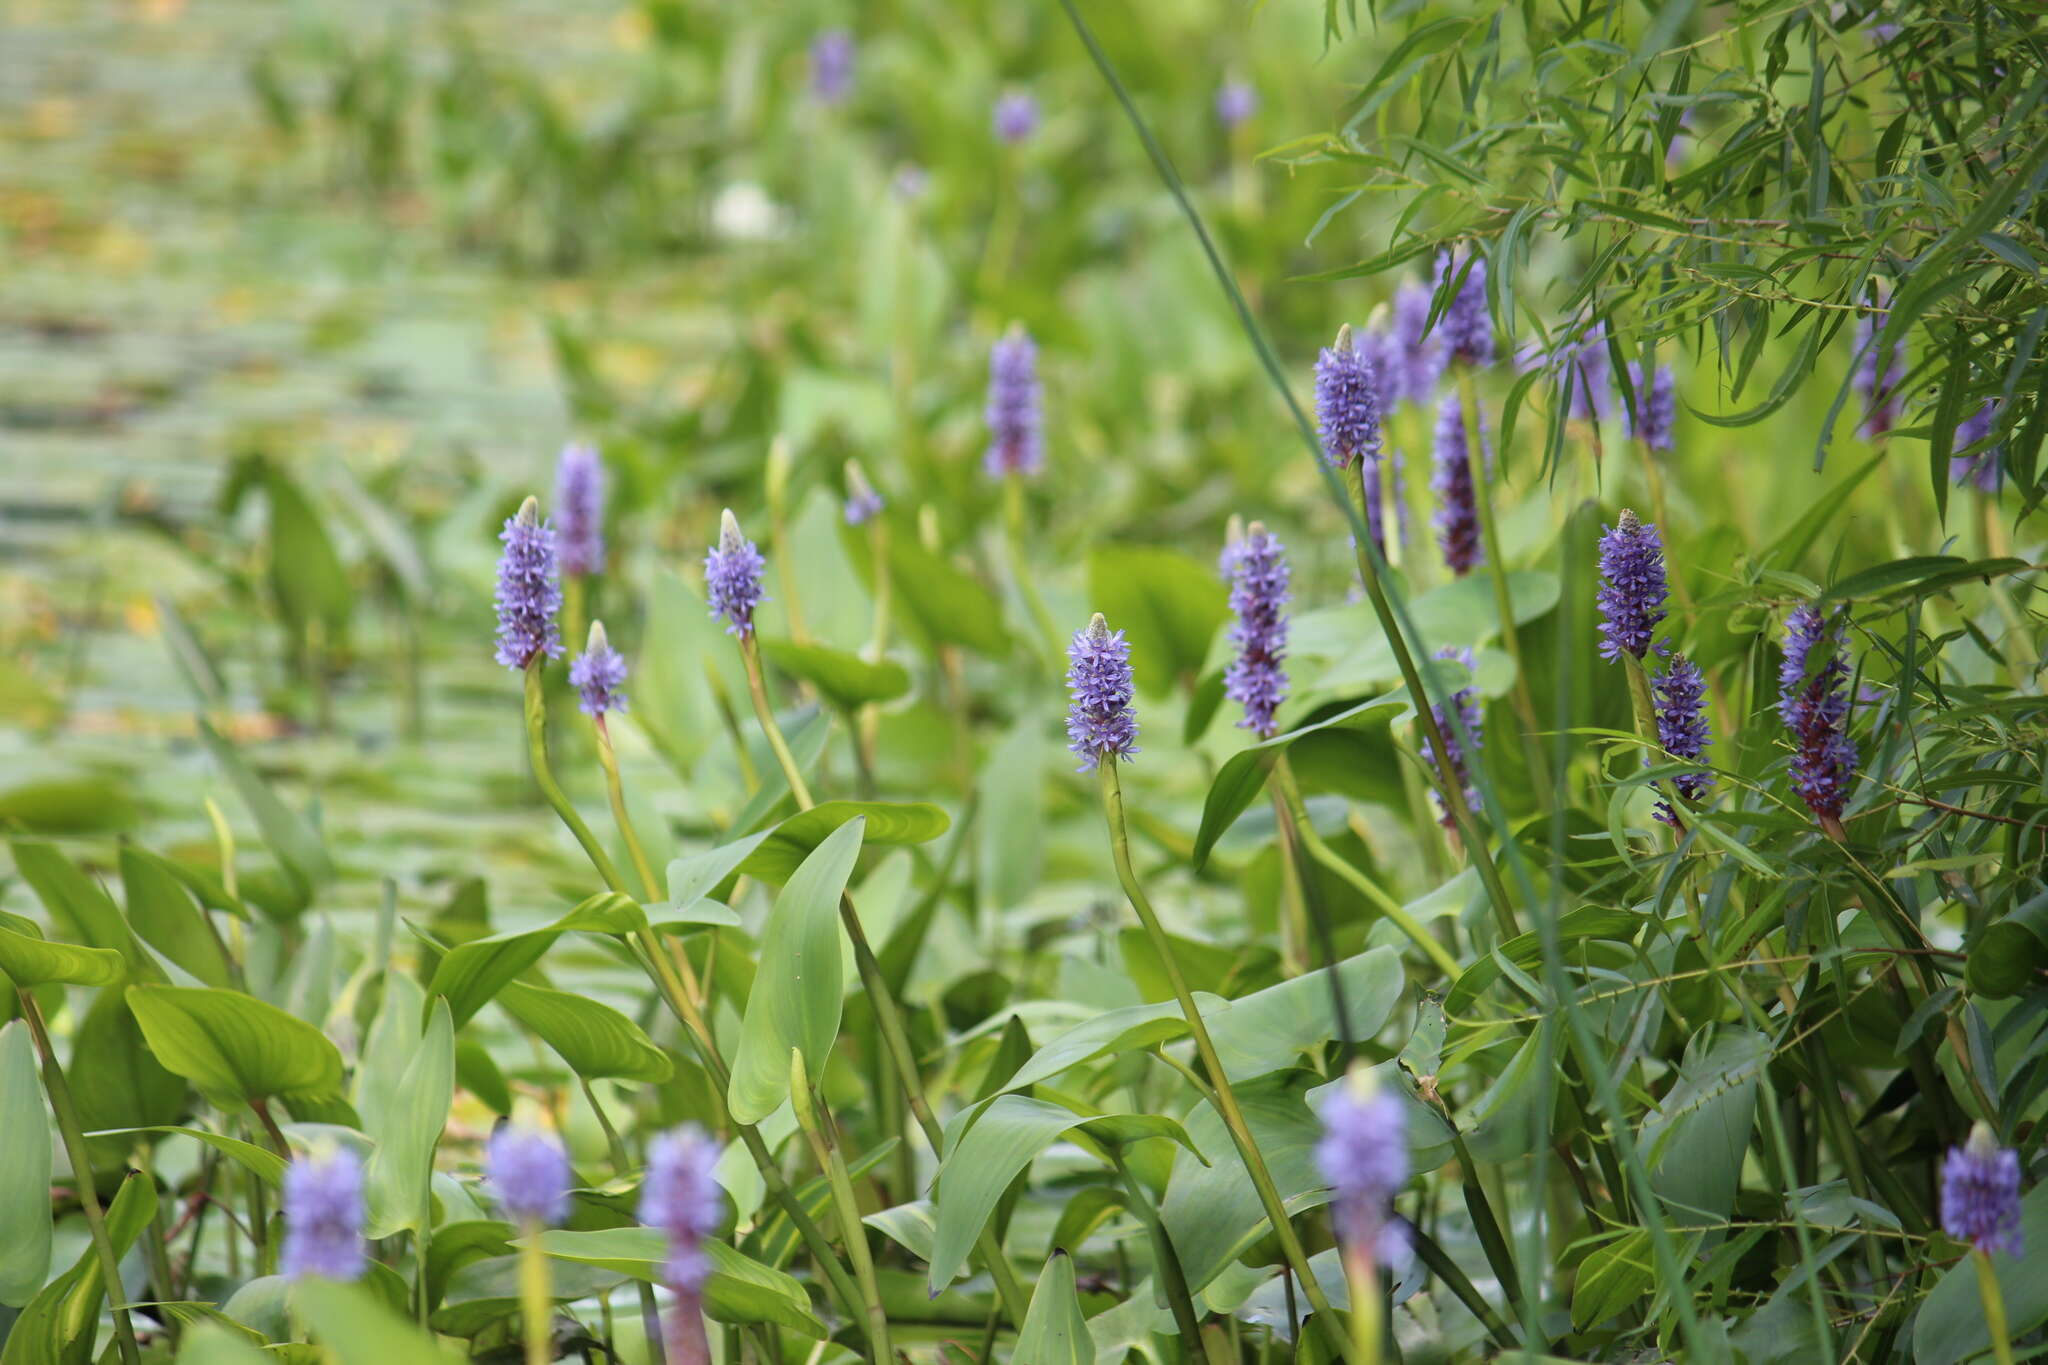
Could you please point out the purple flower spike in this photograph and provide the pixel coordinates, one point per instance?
(1016, 116)
(1467, 326)
(1813, 701)
(579, 510)
(1363, 1154)
(1632, 587)
(732, 577)
(1877, 377)
(599, 673)
(1347, 402)
(1016, 419)
(529, 590)
(1980, 471)
(1457, 499)
(832, 66)
(1101, 722)
(323, 1217)
(1235, 103)
(681, 1198)
(1980, 1193)
(863, 503)
(1420, 352)
(1680, 691)
(530, 1172)
(1656, 414)
(1465, 705)
(1255, 679)
(1589, 374)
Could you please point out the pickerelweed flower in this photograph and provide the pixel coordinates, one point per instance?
(1420, 352)
(1680, 690)
(1363, 1154)
(579, 510)
(832, 66)
(1656, 414)
(732, 577)
(1467, 326)
(1347, 402)
(910, 182)
(1235, 102)
(530, 1172)
(599, 674)
(529, 590)
(323, 1217)
(1457, 504)
(1632, 587)
(1980, 1193)
(1016, 116)
(1982, 470)
(681, 1198)
(1256, 678)
(1016, 435)
(1877, 377)
(1464, 704)
(1813, 701)
(863, 503)
(1101, 722)
(1589, 376)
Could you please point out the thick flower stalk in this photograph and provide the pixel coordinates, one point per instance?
(1681, 692)
(832, 66)
(1981, 470)
(1632, 586)
(1813, 701)
(1101, 722)
(1015, 415)
(599, 675)
(1347, 402)
(681, 1199)
(1418, 352)
(1464, 704)
(1656, 415)
(1016, 116)
(1256, 677)
(323, 1217)
(1457, 506)
(579, 510)
(732, 577)
(1467, 327)
(529, 590)
(1877, 376)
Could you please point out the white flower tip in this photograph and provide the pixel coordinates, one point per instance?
(598, 639)
(529, 512)
(1628, 522)
(1343, 342)
(729, 536)
(1098, 627)
(1233, 530)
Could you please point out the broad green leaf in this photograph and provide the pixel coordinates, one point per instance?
(295, 844)
(210, 1343)
(305, 572)
(1167, 604)
(1243, 775)
(163, 912)
(25, 1174)
(477, 1072)
(1135, 1026)
(845, 679)
(1008, 834)
(1055, 1332)
(1588, 922)
(912, 1226)
(1612, 1279)
(790, 842)
(1463, 610)
(396, 1183)
(388, 1048)
(740, 1289)
(1270, 1029)
(594, 1039)
(470, 974)
(261, 1161)
(234, 1048)
(945, 604)
(693, 878)
(455, 1245)
(2006, 953)
(1697, 1139)
(796, 1000)
(58, 1325)
(1212, 1212)
(117, 1082)
(76, 902)
(29, 962)
(354, 1323)
(486, 1291)
(1950, 1325)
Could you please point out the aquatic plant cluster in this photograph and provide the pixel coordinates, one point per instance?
(1604, 924)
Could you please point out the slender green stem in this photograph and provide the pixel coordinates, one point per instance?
(1020, 570)
(1994, 1306)
(757, 687)
(537, 750)
(1485, 1225)
(1453, 1275)
(1225, 1098)
(73, 1133)
(574, 595)
(852, 1232)
(1173, 1278)
(650, 885)
(536, 1298)
(1368, 1319)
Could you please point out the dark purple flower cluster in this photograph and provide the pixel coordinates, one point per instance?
(732, 577)
(530, 1172)
(832, 66)
(579, 509)
(1417, 353)
(1813, 701)
(1016, 116)
(1016, 438)
(323, 1217)
(1656, 414)
(1462, 704)
(1877, 377)
(1347, 402)
(1235, 103)
(1256, 679)
(680, 1197)
(1101, 722)
(1980, 1193)
(529, 590)
(1467, 325)
(1680, 690)
(1363, 1154)
(599, 673)
(1457, 498)
(1982, 470)
(1632, 587)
